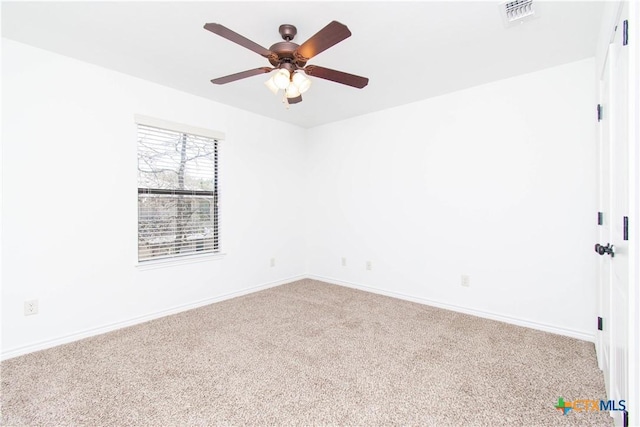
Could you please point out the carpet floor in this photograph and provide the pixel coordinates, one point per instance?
(309, 354)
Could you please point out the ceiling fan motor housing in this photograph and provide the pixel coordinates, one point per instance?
(285, 51)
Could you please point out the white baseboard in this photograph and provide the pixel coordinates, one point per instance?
(466, 310)
(42, 345)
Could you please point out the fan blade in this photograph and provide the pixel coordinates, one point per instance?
(333, 33)
(295, 100)
(242, 75)
(223, 31)
(336, 76)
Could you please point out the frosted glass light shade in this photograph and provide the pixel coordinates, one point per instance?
(292, 91)
(302, 82)
(281, 78)
(272, 86)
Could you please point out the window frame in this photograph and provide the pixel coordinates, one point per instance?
(191, 130)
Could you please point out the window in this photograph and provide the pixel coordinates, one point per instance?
(178, 211)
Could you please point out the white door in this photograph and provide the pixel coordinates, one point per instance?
(613, 340)
(620, 211)
(604, 220)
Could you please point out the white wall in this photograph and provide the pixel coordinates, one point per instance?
(608, 21)
(496, 182)
(70, 200)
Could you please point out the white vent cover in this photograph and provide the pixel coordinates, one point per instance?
(517, 11)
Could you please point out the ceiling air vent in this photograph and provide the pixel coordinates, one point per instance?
(517, 11)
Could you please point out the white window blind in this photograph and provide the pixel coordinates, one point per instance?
(177, 194)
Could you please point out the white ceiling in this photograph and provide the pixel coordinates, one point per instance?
(409, 50)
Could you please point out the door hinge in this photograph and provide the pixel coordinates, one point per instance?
(600, 218)
(625, 229)
(599, 109)
(599, 323)
(625, 33)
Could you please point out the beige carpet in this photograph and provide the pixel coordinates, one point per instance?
(307, 353)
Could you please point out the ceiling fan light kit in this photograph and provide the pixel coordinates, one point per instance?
(289, 60)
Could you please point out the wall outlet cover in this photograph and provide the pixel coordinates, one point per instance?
(465, 281)
(31, 307)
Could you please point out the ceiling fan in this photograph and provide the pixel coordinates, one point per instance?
(288, 58)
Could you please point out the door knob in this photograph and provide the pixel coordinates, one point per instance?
(609, 249)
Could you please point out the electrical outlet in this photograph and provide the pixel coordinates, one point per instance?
(369, 266)
(31, 307)
(465, 281)
(273, 262)
(344, 262)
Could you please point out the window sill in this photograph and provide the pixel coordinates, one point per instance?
(171, 262)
